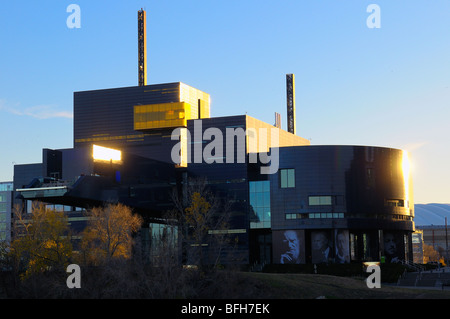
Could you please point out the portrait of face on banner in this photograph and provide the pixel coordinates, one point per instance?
(393, 246)
(289, 246)
(321, 247)
(342, 246)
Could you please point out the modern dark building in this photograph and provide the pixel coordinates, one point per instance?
(290, 202)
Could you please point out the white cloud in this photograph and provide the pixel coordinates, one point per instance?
(41, 112)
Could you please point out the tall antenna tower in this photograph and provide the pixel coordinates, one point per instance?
(142, 45)
(290, 92)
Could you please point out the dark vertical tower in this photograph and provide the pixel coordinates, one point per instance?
(290, 92)
(142, 44)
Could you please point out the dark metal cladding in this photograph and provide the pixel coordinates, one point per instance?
(364, 191)
(105, 117)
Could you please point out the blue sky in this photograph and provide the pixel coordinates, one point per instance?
(387, 86)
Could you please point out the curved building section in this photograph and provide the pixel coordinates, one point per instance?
(341, 204)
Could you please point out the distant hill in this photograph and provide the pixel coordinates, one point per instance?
(431, 214)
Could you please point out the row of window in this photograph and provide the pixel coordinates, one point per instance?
(342, 215)
(396, 203)
(313, 215)
(56, 207)
(382, 216)
(287, 180)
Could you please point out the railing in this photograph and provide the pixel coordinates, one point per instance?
(56, 183)
(411, 265)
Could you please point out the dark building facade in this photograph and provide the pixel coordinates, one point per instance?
(344, 203)
(289, 202)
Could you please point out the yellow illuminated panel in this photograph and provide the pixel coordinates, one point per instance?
(101, 153)
(165, 115)
(199, 100)
(191, 104)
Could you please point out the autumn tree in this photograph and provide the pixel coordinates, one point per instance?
(429, 253)
(41, 240)
(109, 233)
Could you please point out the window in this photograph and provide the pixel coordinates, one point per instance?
(260, 204)
(320, 200)
(287, 178)
(5, 187)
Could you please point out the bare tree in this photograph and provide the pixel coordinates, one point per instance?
(203, 219)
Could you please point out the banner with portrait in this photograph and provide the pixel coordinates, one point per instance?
(321, 247)
(394, 247)
(288, 246)
(342, 246)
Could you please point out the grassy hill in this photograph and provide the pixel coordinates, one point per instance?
(310, 286)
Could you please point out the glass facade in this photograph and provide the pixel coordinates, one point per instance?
(260, 204)
(5, 209)
(6, 187)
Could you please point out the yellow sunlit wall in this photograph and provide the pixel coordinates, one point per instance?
(194, 97)
(163, 115)
(258, 139)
